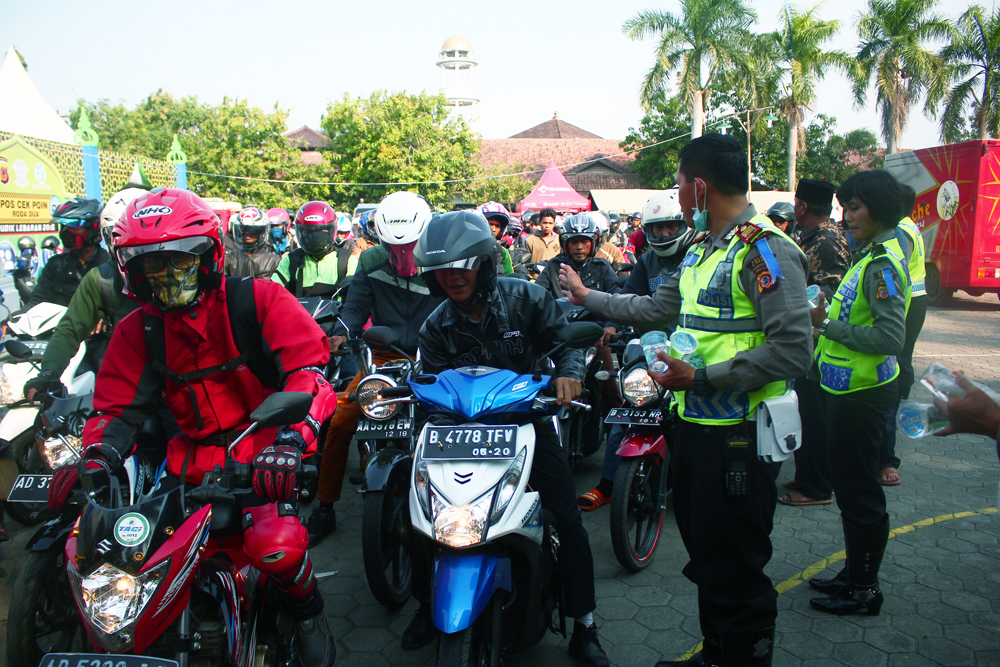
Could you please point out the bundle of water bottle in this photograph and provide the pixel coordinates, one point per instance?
(918, 420)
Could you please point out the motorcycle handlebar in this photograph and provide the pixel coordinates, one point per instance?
(395, 392)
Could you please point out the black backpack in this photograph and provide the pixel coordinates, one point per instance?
(246, 334)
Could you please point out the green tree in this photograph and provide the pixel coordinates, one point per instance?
(893, 53)
(803, 62)
(709, 42)
(664, 129)
(394, 139)
(495, 185)
(974, 55)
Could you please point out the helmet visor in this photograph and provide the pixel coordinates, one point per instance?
(315, 239)
(470, 263)
(193, 245)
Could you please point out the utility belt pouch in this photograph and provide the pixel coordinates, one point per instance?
(779, 427)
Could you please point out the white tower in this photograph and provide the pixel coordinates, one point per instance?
(457, 63)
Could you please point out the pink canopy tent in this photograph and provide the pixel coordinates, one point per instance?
(553, 191)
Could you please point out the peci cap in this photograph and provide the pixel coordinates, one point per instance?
(815, 192)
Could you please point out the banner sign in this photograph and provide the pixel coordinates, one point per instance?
(31, 188)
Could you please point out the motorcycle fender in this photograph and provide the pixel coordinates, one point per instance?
(379, 468)
(51, 536)
(464, 583)
(641, 444)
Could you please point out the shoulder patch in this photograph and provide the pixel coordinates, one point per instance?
(750, 232)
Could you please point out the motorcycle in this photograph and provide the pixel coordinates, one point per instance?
(495, 587)
(158, 579)
(385, 440)
(642, 482)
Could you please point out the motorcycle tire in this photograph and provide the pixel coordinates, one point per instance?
(474, 646)
(385, 526)
(42, 617)
(635, 519)
(26, 456)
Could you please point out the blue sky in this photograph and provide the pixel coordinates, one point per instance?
(535, 58)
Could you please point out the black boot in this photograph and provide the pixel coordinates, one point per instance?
(322, 522)
(314, 643)
(748, 649)
(710, 655)
(585, 647)
(421, 630)
(829, 586)
(865, 549)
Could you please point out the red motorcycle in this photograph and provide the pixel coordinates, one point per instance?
(159, 583)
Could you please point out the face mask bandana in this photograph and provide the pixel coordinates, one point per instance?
(173, 278)
(402, 259)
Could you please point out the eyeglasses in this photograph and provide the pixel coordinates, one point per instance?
(156, 262)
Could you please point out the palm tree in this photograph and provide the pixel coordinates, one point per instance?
(800, 56)
(893, 33)
(709, 42)
(974, 55)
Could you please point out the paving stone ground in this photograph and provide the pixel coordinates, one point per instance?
(941, 575)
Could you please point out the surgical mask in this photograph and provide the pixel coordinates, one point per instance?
(700, 217)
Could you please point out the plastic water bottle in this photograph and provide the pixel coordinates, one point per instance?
(918, 420)
(940, 381)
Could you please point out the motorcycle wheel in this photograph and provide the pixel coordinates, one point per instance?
(26, 456)
(385, 525)
(42, 617)
(635, 519)
(474, 646)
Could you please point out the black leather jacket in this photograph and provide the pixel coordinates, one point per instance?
(264, 261)
(595, 273)
(520, 318)
(61, 276)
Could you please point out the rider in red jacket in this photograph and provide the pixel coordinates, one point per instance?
(168, 248)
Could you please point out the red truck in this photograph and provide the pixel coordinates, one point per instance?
(958, 213)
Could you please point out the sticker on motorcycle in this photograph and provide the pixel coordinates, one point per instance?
(131, 529)
(471, 443)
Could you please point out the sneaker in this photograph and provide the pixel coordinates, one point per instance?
(420, 631)
(585, 647)
(314, 643)
(591, 500)
(321, 523)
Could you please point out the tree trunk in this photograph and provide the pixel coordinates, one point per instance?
(697, 113)
(793, 148)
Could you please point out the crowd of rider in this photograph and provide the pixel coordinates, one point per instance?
(480, 287)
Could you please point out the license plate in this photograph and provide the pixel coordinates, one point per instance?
(635, 417)
(102, 660)
(30, 489)
(369, 429)
(470, 443)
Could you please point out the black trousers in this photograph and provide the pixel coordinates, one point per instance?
(856, 423)
(552, 479)
(914, 323)
(812, 459)
(728, 540)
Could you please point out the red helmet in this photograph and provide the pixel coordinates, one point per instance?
(316, 228)
(278, 216)
(168, 220)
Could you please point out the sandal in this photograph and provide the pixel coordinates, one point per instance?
(3, 533)
(591, 500)
(889, 477)
(791, 485)
(801, 501)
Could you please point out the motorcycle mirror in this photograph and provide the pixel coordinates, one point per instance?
(580, 334)
(603, 375)
(381, 337)
(625, 267)
(17, 349)
(283, 407)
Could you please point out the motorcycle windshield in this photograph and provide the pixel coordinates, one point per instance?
(124, 537)
(476, 392)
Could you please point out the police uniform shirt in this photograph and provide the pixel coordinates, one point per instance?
(781, 306)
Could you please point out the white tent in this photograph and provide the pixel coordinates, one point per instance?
(23, 110)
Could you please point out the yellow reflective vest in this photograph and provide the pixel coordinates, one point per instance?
(918, 258)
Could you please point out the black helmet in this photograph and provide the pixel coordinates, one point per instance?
(83, 214)
(783, 210)
(25, 243)
(527, 215)
(50, 243)
(457, 240)
(581, 225)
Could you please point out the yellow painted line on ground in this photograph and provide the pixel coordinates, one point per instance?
(818, 567)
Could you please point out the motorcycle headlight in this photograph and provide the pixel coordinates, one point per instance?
(508, 485)
(460, 526)
(367, 393)
(639, 388)
(61, 450)
(422, 486)
(111, 600)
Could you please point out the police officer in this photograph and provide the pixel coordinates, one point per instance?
(741, 294)
(912, 244)
(855, 353)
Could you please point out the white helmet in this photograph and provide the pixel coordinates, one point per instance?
(114, 209)
(665, 206)
(250, 227)
(401, 218)
(603, 223)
